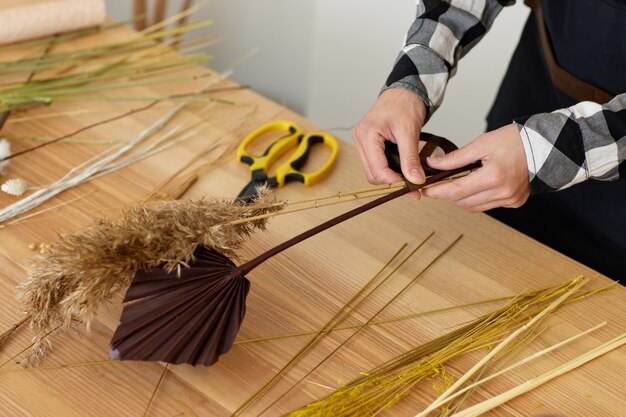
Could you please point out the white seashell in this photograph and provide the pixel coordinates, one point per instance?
(15, 187)
(5, 151)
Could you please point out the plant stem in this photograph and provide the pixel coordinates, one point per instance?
(500, 399)
(109, 120)
(250, 265)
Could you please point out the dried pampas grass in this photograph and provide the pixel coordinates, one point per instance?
(68, 283)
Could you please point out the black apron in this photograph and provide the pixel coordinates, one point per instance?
(587, 222)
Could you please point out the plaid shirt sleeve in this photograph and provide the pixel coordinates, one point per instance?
(571, 145)
(442, 33)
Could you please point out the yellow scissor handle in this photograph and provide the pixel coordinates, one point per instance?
(262, 162)
(290, 170)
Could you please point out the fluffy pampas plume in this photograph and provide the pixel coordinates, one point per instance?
(69, 282)
(5, 152)
(15, 187)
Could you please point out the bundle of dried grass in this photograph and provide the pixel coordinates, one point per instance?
(111, 159)
(501, 348)
(385, 385)
(67, 283)
(86, 74)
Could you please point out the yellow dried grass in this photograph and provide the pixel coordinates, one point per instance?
(385, 385)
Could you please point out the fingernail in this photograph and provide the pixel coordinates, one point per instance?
(434, 158)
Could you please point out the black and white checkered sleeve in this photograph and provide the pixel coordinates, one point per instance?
(442, 33)
(571, 145)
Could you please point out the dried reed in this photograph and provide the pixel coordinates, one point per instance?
(46, 210)
(372, 323)
(531, 384)
(5, 153)
(111, 160)
(177, 184)
(5, 335)
(26, 118)
(337, 198)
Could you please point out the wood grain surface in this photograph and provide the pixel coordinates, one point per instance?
(297, 291)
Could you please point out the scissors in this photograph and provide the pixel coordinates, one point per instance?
(294, 138)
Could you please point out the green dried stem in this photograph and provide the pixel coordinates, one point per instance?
(67, 76)
(132, 44)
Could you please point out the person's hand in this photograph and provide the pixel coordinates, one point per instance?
(502, 181)
(398, 116)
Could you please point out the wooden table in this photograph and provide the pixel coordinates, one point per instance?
(297, 291)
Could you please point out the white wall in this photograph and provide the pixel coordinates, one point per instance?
(280, 67)
(355, 45)
(327, 59)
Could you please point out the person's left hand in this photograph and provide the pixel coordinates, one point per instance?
(502, 181)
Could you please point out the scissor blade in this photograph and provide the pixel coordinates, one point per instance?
(249, 192)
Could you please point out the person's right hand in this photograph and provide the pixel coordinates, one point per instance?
(398, 116)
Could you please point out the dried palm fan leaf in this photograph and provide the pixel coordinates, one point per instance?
(197, 312)
(150, 325)
(67, 283)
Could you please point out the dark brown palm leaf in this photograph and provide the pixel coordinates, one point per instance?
(190, 316)
(193, 315)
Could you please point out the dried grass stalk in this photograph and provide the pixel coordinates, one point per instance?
(490, 404)
(67, 284)
(5, 335)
